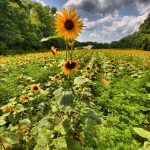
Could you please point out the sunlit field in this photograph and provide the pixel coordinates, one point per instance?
(103, 104)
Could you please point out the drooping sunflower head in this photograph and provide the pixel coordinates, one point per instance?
(68, 24)
(53, 50)
(35, 88)
(70, 67)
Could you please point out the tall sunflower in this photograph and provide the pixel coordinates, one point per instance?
(70, 67)
(68, 24)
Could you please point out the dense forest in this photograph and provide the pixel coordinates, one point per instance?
(23, 23)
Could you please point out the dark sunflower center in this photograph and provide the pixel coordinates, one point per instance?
(69, 24)
(57, 77)
(25, 97)
(70, 65)
(35, 88)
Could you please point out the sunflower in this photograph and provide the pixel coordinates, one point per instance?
(8, 109)
(71, 43)
(88, 68)
(53, 50)
(56, 78)
(88, 76)
(68, 24)
(23, 98)
(69, 67)
(35, 88)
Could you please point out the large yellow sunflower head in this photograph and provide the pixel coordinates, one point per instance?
(35, 88)
(68, 24)
(70, 67)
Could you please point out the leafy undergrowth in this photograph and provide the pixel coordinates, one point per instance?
(96, 108)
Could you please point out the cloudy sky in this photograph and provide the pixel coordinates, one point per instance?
(106, 20)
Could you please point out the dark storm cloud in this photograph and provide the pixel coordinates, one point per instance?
(102, 6)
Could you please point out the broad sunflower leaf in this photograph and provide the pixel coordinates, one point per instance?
(12, 138)
(50, 37)
(2, 119)
(81, 80)
(43, 139)
(60, 143)
(60, 129)
(25, 121)
(146, 145)
(143, 133)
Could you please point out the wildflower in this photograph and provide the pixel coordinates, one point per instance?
(56, 78)
(35, 88)
(88, 76)
(105, 81)
(111, 62)
(114, 72)
(6, 145)
(23, 98)
(88, 68)
(53, 50)
(24, 129)
(69, 67)
(8, 109)
(68, 24)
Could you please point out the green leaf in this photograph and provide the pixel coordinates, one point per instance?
(148, 84)
(143, 133)
(25, 121)
(146, 145)
(11, 118)
(60, 129)
(72, 144)
(2, 119)
(12, 138)
(50, 37)
(81, 80)
(60, 143)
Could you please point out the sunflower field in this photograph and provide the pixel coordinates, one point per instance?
(95, 108)
(75, 99)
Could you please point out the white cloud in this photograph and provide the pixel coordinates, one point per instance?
(90, 25)
(41, 1)
(143, 7)
(119, 28)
